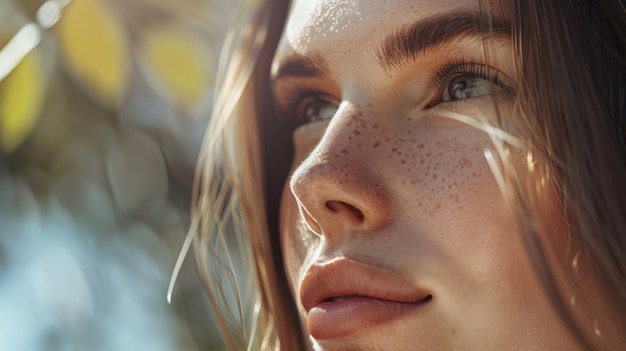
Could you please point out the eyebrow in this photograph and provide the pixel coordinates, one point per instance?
(302, 66)
(407, 43)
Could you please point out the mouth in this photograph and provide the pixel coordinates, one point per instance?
(343, 298)
(349, 315)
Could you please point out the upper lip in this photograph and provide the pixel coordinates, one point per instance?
(344, 277)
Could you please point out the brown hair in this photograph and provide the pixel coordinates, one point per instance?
(236, 198)
(572, 101)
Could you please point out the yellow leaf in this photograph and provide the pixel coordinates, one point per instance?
(177, 61)
(95, 49)
(21, 98)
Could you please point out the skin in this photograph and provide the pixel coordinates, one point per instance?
(391, 182)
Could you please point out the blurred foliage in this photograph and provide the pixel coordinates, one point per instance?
(175, 59)
(21, 98)
(102, 111)
(95, 48)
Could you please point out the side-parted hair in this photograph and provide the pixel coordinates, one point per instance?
(570, 110)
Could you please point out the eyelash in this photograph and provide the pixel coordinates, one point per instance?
(456, 68)
(460, 67)
(452, 69)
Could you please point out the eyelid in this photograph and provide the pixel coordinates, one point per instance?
(459, 67)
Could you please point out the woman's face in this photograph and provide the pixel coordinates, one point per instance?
(394, 230)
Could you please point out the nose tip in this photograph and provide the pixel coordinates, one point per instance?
(332, 201)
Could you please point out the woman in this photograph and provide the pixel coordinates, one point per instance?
(436, 175)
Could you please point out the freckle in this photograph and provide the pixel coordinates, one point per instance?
(455, 183)
(344, 151)
(399, 153)
(409, 169)
(413, 182)
(394, 150)
(421, 161)
(419, 204)
(408, 119)
(428, 154)
(438, 205)
(434, 176)
(420, 146)
(369, 104)
(386, 139)
(349, 138)
(376, 144)
(356, 132)
(403, 161)
(375, 126)
(409, 131)
(474, 174)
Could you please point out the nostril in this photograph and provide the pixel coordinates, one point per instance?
(339, 206)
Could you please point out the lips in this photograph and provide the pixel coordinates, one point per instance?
(344, 297)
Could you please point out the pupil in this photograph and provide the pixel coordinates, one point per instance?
(458, 90)
(314, 111)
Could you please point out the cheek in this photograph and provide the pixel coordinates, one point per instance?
(296, 240)
(451, 199)
(447, 174)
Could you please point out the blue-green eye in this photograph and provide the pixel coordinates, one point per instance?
(317, 108)
(468, 86)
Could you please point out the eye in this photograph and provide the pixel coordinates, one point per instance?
(462, 81)
(316, 108)
(469, 86)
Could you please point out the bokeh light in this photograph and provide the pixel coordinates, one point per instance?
(103, 107)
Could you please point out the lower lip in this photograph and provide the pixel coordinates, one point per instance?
(337, 319)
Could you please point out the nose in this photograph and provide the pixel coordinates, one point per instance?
(341, 186)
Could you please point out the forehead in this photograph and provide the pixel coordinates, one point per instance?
(330, 25)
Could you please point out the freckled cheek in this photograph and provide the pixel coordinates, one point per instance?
(443, 173)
